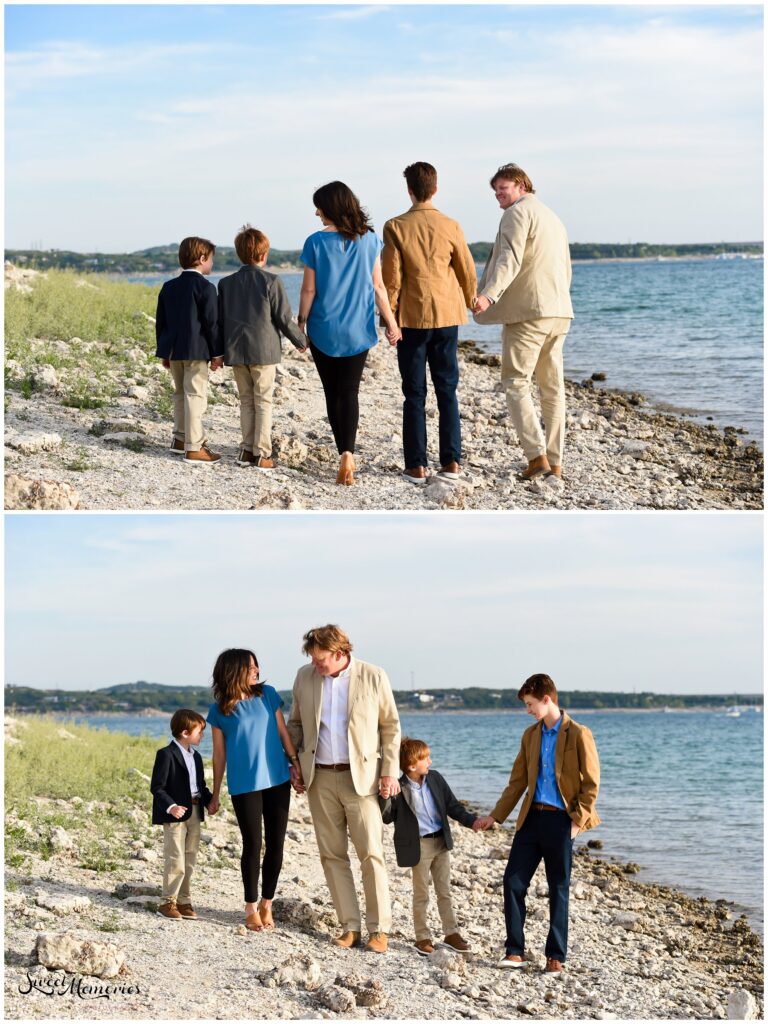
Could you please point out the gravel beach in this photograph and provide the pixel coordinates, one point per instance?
(636, 951)
(619, 455)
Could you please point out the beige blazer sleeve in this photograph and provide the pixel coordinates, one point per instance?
(464, 267)
(518, 781)
(508, 251)
(392, 266)
(294, 724)
(389, 729)
(589, 767)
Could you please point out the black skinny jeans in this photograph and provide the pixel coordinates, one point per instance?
(340, 377)
(271, 804)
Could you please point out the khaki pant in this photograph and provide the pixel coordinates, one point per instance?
(190, 400)
(435, 860)
(337, 810)
(181, 841)
(535, 347)
(255, 385)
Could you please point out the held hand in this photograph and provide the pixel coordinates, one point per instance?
(297, 780)
(177, 811)
(217, 363)
(393, 334)
(214, 805)
(389, 784)
(482, 302)
(484, 823)
(166, 363)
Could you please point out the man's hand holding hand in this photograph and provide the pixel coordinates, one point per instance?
(482, 302)
(482, 824)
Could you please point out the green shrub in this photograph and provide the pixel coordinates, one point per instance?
(64, 305)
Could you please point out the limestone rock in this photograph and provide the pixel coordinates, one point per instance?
(44, 377)
(24, 493)
(61, 841)
(77, 955)
(337, 999)
(742, 1005)
(33, 444)
(629, 921)
(61, 905)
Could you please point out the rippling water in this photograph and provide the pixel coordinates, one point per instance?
(681, 793)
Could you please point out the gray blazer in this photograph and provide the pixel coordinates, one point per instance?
(400, 810)
(253, 312)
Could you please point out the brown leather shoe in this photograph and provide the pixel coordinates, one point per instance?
(246, 458)
(535, 468)
(450, 472)
(348, 940)
(264, 464)
(377, 943)
(417, 475)
(553, 966)
(168, 909)
(186, 911)
(203, 456)
(177, 447)
(424, 947)
(513, 960)
(456, 942)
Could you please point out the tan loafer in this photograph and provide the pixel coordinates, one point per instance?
(168, 909)
(424, 947)
(186, 911)
(348, 940)
(377, 943)
(456, 942)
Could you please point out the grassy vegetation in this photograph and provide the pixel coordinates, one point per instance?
(64, 305)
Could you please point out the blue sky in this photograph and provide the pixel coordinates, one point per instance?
(668, 603)
(131, 126)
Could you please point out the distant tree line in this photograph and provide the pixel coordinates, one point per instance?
(134, 698)
(163, 259)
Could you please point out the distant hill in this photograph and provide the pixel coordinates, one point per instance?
(135, 698)
(163, 259)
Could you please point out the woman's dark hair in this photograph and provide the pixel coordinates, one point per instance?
(230, 678)
(339, 204)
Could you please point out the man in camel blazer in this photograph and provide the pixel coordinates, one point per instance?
(346, 728)
(558, 766)
(526, 287)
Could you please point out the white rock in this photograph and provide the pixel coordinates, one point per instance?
(45, 377)
(61, 839)
(147, 855)
(338, 999)
(138, 392)
(70, 952)
(61, 905)
(32, 444)
(742, 1005)
(631, 922)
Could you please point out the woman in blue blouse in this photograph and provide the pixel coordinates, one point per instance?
(250, 739)
(341, 290)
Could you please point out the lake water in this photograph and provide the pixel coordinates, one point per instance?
(686, 333)
(681, 792)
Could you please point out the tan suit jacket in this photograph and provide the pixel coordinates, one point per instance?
(577, 770)
(528, 274)
(428, 270)
(373, 729)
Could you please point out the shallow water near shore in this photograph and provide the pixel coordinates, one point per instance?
(681, 794)
(688, 334)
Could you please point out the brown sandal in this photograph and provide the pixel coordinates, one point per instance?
(268, 922)
(253, 922)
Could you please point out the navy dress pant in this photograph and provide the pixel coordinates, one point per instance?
(437, 347)
(547, 835)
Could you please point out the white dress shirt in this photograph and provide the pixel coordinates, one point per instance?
(424, 807)
(189, 760)
(333, 736)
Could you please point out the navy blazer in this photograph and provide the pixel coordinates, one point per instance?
(170, 785)
(400, 810)
(187, 321)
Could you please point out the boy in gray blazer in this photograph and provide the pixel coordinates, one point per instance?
(253, 312)
(423, 840)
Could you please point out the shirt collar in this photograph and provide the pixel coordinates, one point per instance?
(187, 752)
(192, 270)
(555, 727)
(344, 674)
(415, 785)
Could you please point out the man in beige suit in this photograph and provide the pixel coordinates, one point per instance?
(430, 278)
(526, 287)
(345, 726)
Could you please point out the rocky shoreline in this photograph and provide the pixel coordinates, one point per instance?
(88, 944)
(619, 454)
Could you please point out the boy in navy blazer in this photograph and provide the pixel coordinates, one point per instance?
(423, 840)
(187, 331)
(179, 796)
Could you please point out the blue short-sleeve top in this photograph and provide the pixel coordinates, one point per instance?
(255, 756)
(342, 320)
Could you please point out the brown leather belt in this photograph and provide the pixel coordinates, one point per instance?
(546, 807)
(195, 799)
(333, 767)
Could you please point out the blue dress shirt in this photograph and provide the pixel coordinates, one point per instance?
(425, 808)
(547, 791)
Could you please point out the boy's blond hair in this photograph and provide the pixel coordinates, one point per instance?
(411, 751)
